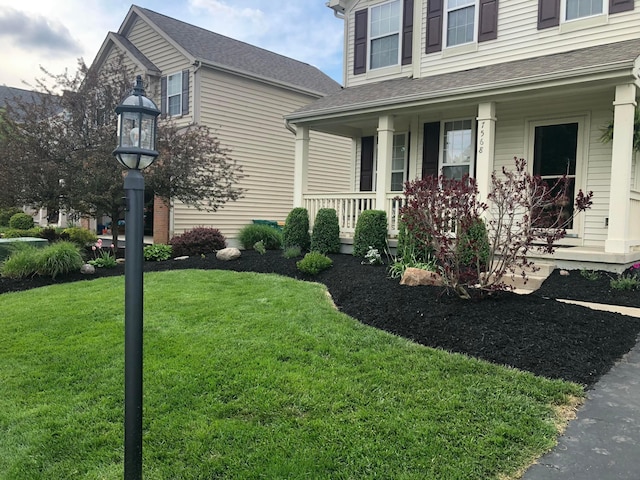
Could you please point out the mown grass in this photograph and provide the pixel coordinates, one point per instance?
(252, 376)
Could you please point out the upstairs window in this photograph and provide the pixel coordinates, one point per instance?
(550, 12)
(174, 94)
(461, 20)
(583, 8)
(385, 35)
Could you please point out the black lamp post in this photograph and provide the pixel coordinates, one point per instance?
(137, 118)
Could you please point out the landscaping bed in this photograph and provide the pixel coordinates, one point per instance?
(532, 332)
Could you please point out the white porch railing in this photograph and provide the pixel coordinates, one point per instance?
(350, 205)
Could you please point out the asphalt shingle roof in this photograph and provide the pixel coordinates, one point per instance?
(135, 52)
(9, 93)
(240, 56)
(525, 71)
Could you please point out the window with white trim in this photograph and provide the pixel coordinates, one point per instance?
(174, 94)
(461, 22)
(457, 148)
(399, 162)
(575, 9)
(384, 34)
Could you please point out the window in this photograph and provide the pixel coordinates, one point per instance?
(457, 149)
(461, 15)
(399, 162)
(174, 94)
(583, 8)
(385, 35)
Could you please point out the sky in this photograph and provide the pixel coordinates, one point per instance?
(55, 34)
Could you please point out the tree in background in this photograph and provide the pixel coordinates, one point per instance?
(59, 149)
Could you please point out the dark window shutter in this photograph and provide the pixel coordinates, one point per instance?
(431, 149)
(488, 27)
(434, 26)
(366, 164)
(185, 92)
(360, 43)
(548, 13)
(617, 6)
(163, 96)
(407, 32)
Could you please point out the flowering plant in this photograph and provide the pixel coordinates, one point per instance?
(372, 257)
(103, 258)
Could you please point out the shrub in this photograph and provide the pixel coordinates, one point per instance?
(260, 248)
(23, 262)
(157, 252)
(397, 268)
(296, 229)
(14, 233)
(325, 237)
(6, 214)
(313, 263)
(292, 252)
(21, 221)
(371, 232)
(252, 234)
(82, 237)
(199, 241)
(52, 234)
(59, 258)
(473, 245)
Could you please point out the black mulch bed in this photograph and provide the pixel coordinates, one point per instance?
(528, 332)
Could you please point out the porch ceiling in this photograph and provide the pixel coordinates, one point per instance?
(612, 61)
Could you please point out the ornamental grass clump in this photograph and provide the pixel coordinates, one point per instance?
(59, 258)
(314, 263)
(296, 229)
(271, 237)
(371, 232)
(21, 263)
(198, 241)
(325, 237)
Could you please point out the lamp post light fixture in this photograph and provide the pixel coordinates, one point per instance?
(137, 121)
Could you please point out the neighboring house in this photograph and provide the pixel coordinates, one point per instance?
(242, 93)
(464, 86)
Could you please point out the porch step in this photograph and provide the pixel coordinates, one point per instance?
(533, 280)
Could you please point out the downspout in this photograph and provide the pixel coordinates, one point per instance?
(290, 127)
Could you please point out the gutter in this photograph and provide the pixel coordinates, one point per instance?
(290, 127)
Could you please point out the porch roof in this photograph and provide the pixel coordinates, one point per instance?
(615, 59)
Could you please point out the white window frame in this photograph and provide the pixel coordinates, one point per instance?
(574, 234)
(443, 140)
(405, 165)
(445, 26)
(371, 38)
(177, 75)
(563, 12)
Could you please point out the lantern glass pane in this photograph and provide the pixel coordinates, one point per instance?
(146, 137)
(129, 160)
(130, 136)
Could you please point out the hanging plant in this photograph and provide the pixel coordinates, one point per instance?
(607, 131)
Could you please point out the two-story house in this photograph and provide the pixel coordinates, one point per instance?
(242, 93)
(464, 86)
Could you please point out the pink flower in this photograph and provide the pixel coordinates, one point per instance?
(99, 243)
(93, 248)
(635, 266)
(112, 246)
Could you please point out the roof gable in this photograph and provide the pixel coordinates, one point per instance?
(129, 49)
(218, 51)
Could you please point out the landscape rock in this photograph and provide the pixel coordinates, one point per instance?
(88, 269)
(564, 273)
(416, 276)
(227, 254)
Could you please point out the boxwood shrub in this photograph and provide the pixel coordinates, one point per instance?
(313, 263)
(371, 232)
(199, 241)
(271, 237)
(325, 237)
(21, 221)
(6, 214)
(296, 229)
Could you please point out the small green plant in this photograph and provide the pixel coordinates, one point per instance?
(157, 252)
(102, 257)
(625, 282)
(371, 232)
(325, 237)
(296, 229)
(21, 221)
(313, 263)
(251, 234)
(590, 274)
(80, 236)
(292, 252)
(59, 258)
(259, 247)
(398, 267)
(372, 257)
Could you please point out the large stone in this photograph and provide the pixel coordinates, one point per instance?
(416, 276)
(227, 254)
(87, 269)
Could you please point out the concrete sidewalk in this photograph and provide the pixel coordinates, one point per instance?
(603, 442)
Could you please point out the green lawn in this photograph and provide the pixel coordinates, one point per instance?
(252, 376)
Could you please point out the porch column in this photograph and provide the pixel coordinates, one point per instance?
(621, 157)
(301, 165)
(385, 153)
(485, 147)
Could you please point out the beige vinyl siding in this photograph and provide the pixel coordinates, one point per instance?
(247, 117)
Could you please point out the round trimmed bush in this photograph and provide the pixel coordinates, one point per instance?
(199, 241)
(371, 232)
(296, 229)
(6, 214)
(325, 237)
(271, 237)
(313, 263)
(21, 221)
